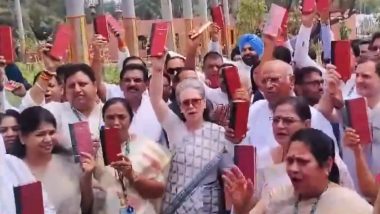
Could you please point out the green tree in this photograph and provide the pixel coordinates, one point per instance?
(250, 15)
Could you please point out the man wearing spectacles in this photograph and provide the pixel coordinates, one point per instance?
(309, 84)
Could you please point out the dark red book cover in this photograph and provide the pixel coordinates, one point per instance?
(245, 160)
(357, 118)
(231, 78)
(81, 139)
(308, 6)
(61, 43)
(218, 16)
(101, 27)
(29, 198)
(239, 118)
(323, 5)
(113, 24)
(111, 144)
(6, 44)
(158, 38)
(341, 58)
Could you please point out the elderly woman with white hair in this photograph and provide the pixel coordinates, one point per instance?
(195, 144)
(13, 172)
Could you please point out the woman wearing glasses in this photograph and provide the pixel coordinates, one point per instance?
(289, 116)
(194, 143)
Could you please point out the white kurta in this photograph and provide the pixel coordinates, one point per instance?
(260, 133)
(64, 115)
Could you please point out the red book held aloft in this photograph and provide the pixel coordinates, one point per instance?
(308, 6)
(245, 160)
(81, 139)
(239, 118)
(61, 43)
(217, 16)
(357, 118)
(341, 58)
(101, 27)
(158, 38)
(231, 79)
(111, 144)
(6, 44)
(29, 198)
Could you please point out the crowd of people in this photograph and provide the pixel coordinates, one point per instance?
(177, 147)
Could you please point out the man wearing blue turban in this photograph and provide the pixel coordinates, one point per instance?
(251, 50)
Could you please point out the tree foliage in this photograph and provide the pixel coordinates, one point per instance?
(250, 15)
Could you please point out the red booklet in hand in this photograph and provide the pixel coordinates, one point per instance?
(217, 16)
(245, 160)
(101, 27)
(231, 78)
(81, 139)
(61, 43)
(158, 38)
(323, 5)
(113, 24)
(341, 58)
(274, 20)
(239, 118)
(111, 144)
(29, 198)
(308, 6)
(6, 44)
(357, 118)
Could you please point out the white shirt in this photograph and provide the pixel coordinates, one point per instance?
(113, 90)
(349, 88)
(145, 122)
(216, 96)
(260, 133)
(65, 115)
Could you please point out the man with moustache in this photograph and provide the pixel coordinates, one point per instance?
(251, 50)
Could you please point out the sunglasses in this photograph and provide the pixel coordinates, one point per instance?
(174, 71)
(196, 102)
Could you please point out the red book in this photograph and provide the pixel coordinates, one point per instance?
(111, 144)
(341, 58)
(6, 44)
(245, 160)
(231, 78)
(217, 16)
(158, 38)
(81, 139)
(274, 21)
(357, 118)
(308, 6)
(113, 24)
(101, 27)
(239, 118)
(323, 5)
(29, 198)
(61, 43)
(202, 29)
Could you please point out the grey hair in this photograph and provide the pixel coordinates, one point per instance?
(190, 83)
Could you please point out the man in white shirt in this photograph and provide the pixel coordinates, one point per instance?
(277, 82)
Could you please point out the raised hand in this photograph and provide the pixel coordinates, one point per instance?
(124, 166)
(88, 163)
(49, 63)
(214, 32)
(98, 43)
(239, 189)
(17, 88)
(351, 139)
(158, 63)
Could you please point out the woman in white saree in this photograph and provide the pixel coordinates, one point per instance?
(313, 173)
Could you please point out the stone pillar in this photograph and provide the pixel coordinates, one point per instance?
(130, 30)
(76, 19)
(188, 17)
(227, 34)
(167, 15)
(206, 36)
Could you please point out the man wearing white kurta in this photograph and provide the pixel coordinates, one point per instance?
(278, 83)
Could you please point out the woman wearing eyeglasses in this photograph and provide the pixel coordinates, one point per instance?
(194, 143)
(289, 116)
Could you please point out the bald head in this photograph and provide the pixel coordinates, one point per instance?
(277, 66)
(277, 80)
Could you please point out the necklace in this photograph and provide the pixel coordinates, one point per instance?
(314, 206)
